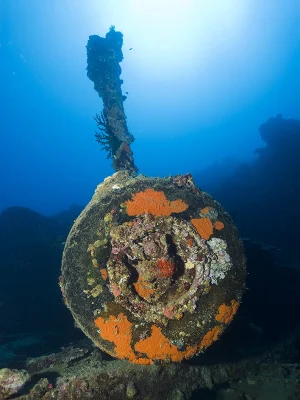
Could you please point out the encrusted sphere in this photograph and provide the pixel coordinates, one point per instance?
(153, 269)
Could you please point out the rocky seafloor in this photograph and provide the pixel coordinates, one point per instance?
(81, 372)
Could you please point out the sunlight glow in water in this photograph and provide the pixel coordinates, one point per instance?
(174, 33)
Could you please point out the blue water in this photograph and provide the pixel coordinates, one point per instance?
(201, 79)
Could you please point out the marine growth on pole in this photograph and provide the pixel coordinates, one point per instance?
(153, 269)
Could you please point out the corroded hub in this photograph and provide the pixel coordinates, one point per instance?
(159, 267)
(153, 269)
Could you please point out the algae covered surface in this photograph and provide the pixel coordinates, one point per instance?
(153, 269)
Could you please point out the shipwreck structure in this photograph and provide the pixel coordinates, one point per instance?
(153, 269)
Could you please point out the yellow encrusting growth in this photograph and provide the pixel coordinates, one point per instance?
(95, 262)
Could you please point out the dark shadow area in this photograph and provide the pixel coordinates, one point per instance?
(34, 319)
(267, 316)
(203, 394)
(263, 196)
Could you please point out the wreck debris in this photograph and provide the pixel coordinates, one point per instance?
(103, 58)
(142, 279)
(153, 269)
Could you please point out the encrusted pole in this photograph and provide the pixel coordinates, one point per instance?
(103, 58)
(153, 269)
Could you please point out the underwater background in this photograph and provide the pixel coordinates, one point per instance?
(212, 89)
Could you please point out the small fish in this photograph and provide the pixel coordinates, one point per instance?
(130, 48)
(126, 92)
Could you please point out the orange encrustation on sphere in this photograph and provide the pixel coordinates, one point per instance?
(153, 269)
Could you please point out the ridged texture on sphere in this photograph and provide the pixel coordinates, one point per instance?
(153, 269)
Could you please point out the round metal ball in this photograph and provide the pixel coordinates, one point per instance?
(153, 269)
